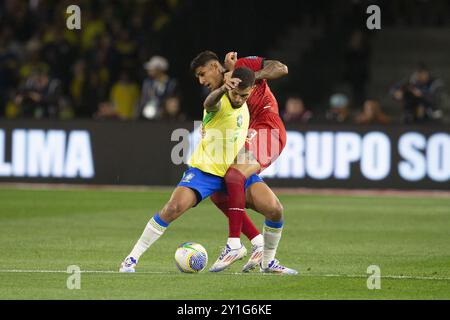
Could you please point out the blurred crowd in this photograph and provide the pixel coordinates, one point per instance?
(110, 70)
(419, 98)
(100, 71)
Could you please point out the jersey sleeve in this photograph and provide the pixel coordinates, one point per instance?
(254, 63)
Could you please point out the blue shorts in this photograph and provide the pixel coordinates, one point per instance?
(205, 184)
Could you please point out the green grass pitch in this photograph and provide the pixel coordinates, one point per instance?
(331, 240)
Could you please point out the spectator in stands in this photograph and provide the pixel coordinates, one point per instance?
(93, 93)
(171, 110)
(58, 53)
(339, 109)
(40, 96)
(126, 48)
(357, 66)
(419, 96)
(295, 111)
(155, 88)
(8, 68)
(372, 114)
(16, 15)
(77, 83)
(93, 27)
(33, 58)
(124, 96)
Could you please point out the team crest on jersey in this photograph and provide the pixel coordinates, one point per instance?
(239, 121)
(187, 178)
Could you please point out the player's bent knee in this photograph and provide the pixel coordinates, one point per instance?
(275, 212)
(171, 211)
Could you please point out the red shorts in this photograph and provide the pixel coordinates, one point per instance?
(266, 138)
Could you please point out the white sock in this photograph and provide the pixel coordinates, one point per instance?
(151, 233)
(272, 236)
(258, 240)
(234, 243)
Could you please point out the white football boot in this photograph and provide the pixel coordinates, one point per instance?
(255, 258)
(128, 265)
(275, 267)
(227, 257)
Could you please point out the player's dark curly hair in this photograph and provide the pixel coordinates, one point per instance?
(203, 58)
(246, 75)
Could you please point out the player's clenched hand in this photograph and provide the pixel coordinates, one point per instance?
(230, 60)
(231, 83)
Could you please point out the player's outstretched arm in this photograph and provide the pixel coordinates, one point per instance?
(273, 69)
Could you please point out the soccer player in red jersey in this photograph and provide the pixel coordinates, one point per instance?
(265, 141)
(267, 129)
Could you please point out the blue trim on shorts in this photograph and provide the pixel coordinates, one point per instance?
(252, 180)
(205, 184)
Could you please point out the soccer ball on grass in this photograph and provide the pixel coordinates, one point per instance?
(191, 257)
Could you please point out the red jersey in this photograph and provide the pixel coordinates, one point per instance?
(266, 133)
(262, 99)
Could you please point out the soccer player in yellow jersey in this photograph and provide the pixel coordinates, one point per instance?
(225, 124)
(256, 194)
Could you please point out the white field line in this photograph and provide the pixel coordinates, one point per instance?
(230, 273)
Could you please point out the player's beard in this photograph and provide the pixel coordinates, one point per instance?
(236, 107)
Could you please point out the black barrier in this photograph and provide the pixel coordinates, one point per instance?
(375, 157)
(139, 153)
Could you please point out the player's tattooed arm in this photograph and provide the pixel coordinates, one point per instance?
(212, 101)
(272, 69)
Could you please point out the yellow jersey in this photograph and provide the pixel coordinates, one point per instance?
(124, 97)
(223, 136)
